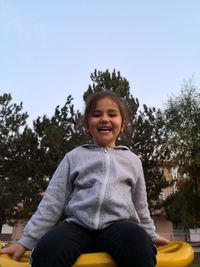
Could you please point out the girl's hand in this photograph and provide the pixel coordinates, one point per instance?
(160, 241)
(16, 251)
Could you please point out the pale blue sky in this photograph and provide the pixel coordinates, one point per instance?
(48, 48)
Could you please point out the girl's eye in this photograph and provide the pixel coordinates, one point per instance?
(113, 114)
(110, 114)
(95, 114)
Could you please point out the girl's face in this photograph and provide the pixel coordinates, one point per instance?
(105, 123)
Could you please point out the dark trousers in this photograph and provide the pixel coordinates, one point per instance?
(126, 242)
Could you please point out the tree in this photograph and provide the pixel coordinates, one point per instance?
(24, 165)
(182, 207)
(57, 135)
(146, 135)
(148, 139)
(183, 127)
(12, 122)
(31, 155)
(103, 81)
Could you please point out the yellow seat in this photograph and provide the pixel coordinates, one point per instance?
(175, 254)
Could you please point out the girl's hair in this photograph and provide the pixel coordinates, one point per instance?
(91, 102)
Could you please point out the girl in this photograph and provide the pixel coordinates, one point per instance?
(101, 190)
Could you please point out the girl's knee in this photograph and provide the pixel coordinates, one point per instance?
(134, 246)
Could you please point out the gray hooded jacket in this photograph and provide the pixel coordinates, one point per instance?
(93, 187)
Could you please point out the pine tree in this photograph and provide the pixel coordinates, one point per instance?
(12, 123)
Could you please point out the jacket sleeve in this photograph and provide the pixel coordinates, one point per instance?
(139, 196)
(50, 208)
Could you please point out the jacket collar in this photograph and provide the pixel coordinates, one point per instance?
(92, 146)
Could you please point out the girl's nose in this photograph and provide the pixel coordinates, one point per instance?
(104, 118)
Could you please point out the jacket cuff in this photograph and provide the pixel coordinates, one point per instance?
(28, 242)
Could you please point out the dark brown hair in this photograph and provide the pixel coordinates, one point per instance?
(91, 102)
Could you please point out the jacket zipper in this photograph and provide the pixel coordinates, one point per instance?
(103, 188)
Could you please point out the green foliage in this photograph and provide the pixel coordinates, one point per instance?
(30, 156)
(57, 135)
(12, 122)
(148, 139)
(183, 127)
(182, 207)
(11, 118)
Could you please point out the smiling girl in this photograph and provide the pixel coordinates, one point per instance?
(100, 188)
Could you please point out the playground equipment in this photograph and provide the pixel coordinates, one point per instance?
(175, 254)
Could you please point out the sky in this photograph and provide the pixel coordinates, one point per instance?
(49, 48)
